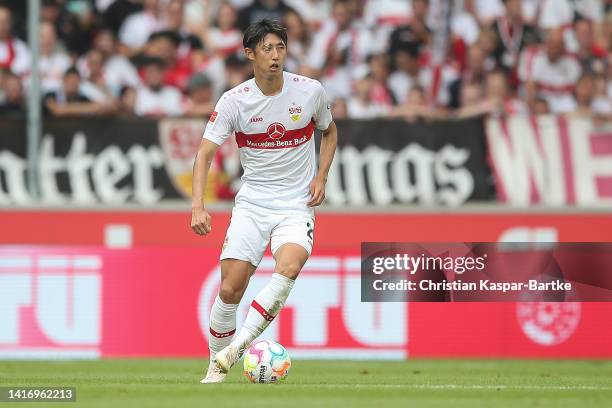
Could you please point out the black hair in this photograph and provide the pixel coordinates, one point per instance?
(169, 35)
(256, 32)
(72, 71)
(156, 61)
(125, 89)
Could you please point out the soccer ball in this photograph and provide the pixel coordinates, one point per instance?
(266, 362)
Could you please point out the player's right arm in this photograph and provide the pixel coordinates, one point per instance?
(220, 126)
(200, 218)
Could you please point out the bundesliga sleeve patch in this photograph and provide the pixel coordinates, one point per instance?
(213, 116)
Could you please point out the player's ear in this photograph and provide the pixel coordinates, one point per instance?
(250, 53)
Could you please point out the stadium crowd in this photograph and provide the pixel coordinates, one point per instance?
(407, 59)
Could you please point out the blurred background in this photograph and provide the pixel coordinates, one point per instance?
(465, 120)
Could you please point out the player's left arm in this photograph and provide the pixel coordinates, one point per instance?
(329, 141)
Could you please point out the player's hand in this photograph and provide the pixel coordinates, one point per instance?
(200, 221)
(317, 191)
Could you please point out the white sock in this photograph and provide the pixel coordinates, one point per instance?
(222, 326)
(264, 308)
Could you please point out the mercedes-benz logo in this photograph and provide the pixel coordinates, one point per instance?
(276, 130)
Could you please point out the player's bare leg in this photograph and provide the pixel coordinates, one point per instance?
(290, 258)
(235, 276)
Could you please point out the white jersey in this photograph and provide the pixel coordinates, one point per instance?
(555, 81)
(275, 137)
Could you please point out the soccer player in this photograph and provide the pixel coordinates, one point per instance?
(273, 116)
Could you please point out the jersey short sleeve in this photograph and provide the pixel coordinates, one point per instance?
(222, 121)
(322, 109)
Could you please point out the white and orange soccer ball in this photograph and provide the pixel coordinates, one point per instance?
(266, 362)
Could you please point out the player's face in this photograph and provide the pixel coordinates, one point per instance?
(269, 55)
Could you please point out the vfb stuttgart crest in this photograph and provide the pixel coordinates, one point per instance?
(295, 112)
(276, 130)
(179, 140)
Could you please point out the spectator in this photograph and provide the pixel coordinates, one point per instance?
(187, 41)
(415, 34)
(555, 14)
(237, 70)
(487, 66)
(224, 38)
(19, 17)
(314, 12)
(383, 16)
(127, 101)
(464, 25)
(435, 77)
(386, 13)
(471, 93)
(299, 38)
(52, 12)
(200, 100)
(487, 41)
(183, 53)
(153, 98)
(116, 14)
(487, 11)
(53, 61)
(75, 22)
(540, 106)
(361, 105)
(339, 109)
(70, 101)
(583, 96)
(94, 87)
(205, 62)
(77, 25)
(197, 13)
(260, 9)
(13, 104)
(550, 72)
(497, 91)
(165, 45)
(590, 96)
(118, 71)
(14, 53)
(602, 103)
(590, 55)
(379, 70)
(414, 107)
(407, 73)
(512, 35)
(475, 71)
(472, 101)
(603, 83)
(102, 5)
(137, 28)
(341, 44)
(561, 13)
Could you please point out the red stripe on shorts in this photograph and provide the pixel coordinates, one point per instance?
(222, 335)
(262, 311)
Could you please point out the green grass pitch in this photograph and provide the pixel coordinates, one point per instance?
(344, 384)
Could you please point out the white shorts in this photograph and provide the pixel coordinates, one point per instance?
(252, 228)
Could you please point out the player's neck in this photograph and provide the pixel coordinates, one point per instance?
(269, 86)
